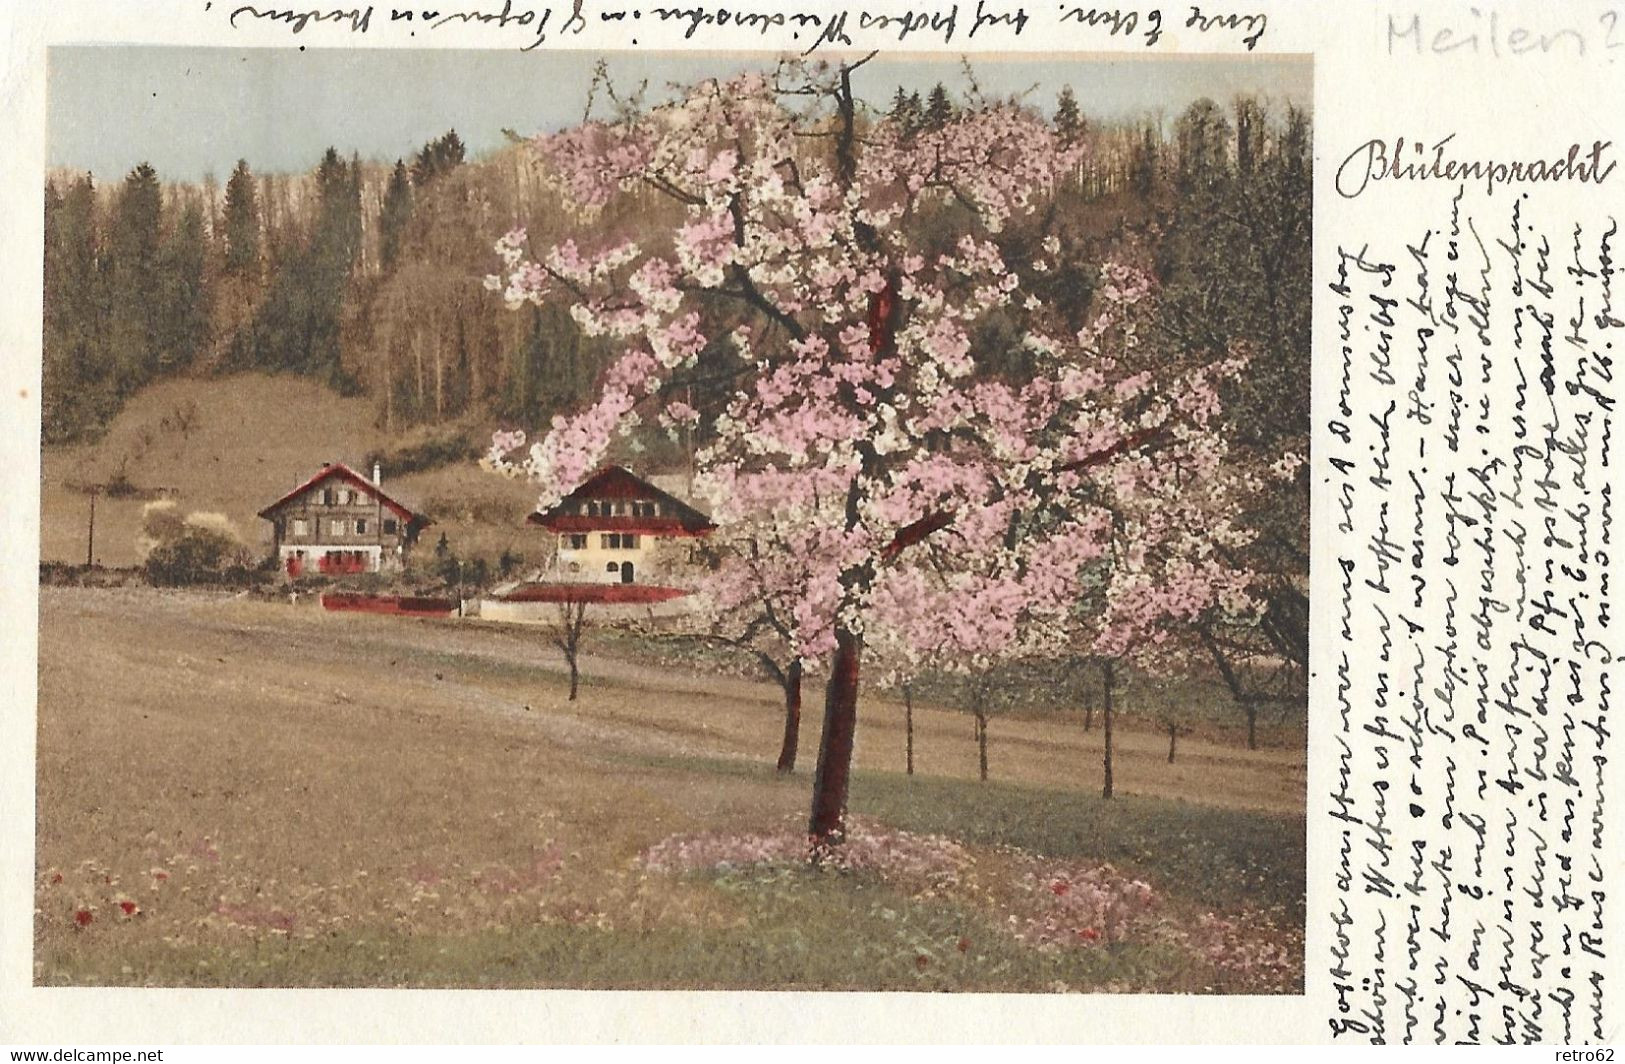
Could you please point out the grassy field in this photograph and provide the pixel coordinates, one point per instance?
(235, 792)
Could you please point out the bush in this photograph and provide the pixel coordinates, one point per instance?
(199, 547)
(432, 453)
(197, 554)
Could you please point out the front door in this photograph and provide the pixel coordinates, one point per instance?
(626, 572)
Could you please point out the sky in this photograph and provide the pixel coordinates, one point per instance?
(191, 112)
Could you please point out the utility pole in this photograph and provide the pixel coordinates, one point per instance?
(90, 533)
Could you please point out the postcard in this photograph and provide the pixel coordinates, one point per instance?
(847, 523)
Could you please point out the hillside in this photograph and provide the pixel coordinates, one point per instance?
(234, 444)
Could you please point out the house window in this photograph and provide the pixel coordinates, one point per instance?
(613, 567)
(360, 526)
(389, 526)
(629, 540)
(327, 496)
(340, 528)
(301, 527)
(576, 541)
(618, 541)
(575, 567)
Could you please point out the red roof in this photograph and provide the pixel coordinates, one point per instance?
(344, 472)
(405, 605)
(619, 484)
(608, 594)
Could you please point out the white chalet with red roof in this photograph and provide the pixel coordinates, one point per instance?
(617, 528)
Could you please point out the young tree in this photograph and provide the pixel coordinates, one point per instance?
(569, 623)
(859, 412)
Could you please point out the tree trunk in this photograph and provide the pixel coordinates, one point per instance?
(908, 725)
(1106, 722)
(792, 717)
(1173, 737)
(830, 779)
(417, 361)
(1252, 724)
(575, 675)
(981, 743)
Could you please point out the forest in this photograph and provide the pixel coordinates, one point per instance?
(367, 275)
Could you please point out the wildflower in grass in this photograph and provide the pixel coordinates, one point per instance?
(892, 855)
(128, 907)
(83, 918)
(1080, 906)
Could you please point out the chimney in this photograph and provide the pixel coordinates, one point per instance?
(377, 474)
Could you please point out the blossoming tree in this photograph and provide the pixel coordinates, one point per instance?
(863, 273)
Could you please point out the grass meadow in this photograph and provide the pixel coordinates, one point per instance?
(235, 792)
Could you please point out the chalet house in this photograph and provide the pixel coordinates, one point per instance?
(338, 521)
(618, 528)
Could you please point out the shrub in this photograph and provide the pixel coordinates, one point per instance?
(199, 547)
(432, 453)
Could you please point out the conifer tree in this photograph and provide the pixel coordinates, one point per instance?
(242, 223)
(396, 212)
(1068, 119)
(939, 109)
(132, 276)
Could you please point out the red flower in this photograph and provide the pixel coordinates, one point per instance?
(83, 918)
(1088, 933)
(160, 875)
(922, 962)
(964, 945)
(130, 908)
(57, 878)
(1060, 887)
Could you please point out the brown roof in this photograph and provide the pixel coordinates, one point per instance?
(344, 472)
(619, 484)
